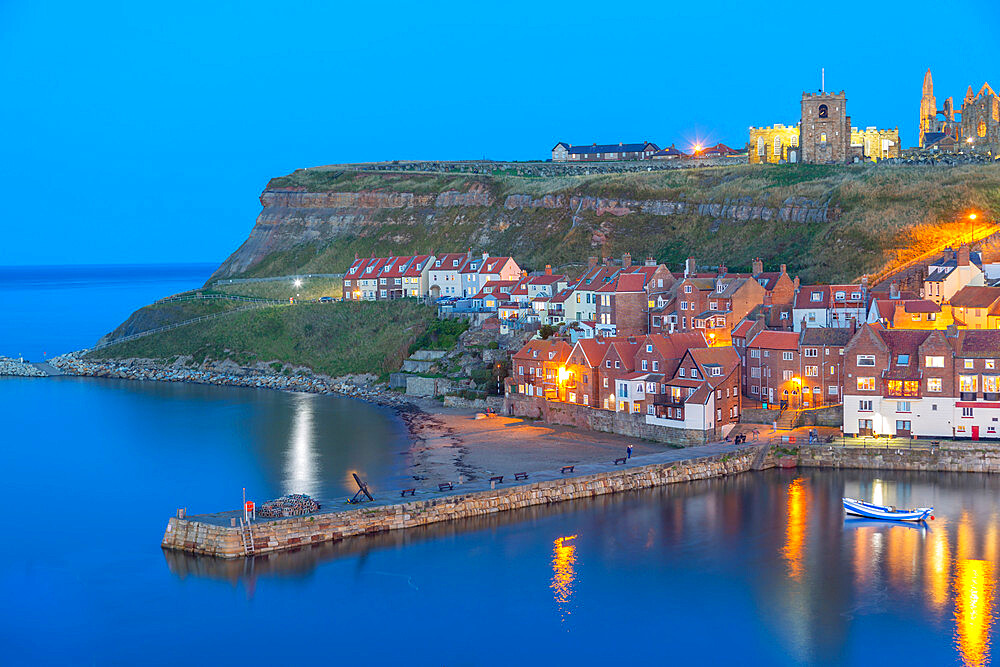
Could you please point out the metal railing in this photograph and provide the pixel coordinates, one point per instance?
(238, 281)
(854, 442)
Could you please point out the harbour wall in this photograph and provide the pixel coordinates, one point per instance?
(931, 459)
(209, 538)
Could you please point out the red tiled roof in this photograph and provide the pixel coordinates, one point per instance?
(742, 328)
(775, 340)
(975, 297)
(978, 343)
(921, 306)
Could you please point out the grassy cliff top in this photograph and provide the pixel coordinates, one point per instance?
(849, 186)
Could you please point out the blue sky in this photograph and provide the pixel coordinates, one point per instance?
(144, 132)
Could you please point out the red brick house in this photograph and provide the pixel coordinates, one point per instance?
(821, 354)
(703, 394)
(535, 369)
(771, 368)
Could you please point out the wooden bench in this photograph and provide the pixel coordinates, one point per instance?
(407, 492)
(520, 475)
(619, 462)
(498, 479)
(568, 469)
(445, 486)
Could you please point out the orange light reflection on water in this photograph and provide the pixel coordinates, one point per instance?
(937, 565)
(795, 532)
(563, 572)
(974, 584)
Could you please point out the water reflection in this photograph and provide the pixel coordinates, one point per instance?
(795, 531)
(563, 573)
(302, 474)
(974, 584)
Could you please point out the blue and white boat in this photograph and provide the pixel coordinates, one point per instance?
(862, 508)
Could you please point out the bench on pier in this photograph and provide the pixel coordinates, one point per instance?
(445, 486)
(407, 492)
(620, 462)
(520, 475)
(568, 469)
(498, 479)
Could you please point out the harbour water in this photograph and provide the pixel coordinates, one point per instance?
(761, 568)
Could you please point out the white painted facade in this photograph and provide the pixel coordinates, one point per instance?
(943, 417)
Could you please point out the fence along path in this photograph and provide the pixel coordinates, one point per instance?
(175, 325)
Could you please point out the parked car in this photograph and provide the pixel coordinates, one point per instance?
(326, 299)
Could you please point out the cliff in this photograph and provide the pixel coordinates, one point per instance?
(825, 223)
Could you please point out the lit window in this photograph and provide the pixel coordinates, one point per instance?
(934, 384)
(866, 384)
(934, 362)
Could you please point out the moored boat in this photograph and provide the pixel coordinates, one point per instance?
(871, 511)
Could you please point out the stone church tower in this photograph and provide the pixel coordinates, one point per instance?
(825, 128)
(928, 108)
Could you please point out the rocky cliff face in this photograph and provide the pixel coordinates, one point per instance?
(535, 229)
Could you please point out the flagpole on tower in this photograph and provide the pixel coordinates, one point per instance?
(822, 80)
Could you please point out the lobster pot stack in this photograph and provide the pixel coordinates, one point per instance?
(295, 504)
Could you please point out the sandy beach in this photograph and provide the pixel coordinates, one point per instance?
(449, 442)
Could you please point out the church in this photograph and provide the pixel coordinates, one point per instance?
(975, 127)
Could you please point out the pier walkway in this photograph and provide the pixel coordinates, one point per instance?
(387, 497)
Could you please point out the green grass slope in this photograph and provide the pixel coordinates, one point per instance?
(335, 339)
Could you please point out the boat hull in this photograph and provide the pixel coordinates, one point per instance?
(870, 511)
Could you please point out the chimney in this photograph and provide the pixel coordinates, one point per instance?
(592, 262)
(963, 256)
(951, 331)
(356, 258)
(548, 269)
(768, 300)
(758, 266)
(795, 283)
(722, 270)
(784, 268)
(893, 290)
(468, 255)
(626, 260)
(689, 267)
(864, 282)
(650, 261)
(486, 256)
(524, 273)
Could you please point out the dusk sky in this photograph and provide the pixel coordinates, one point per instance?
(144, 132)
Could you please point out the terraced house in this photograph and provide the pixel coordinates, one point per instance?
(914, 383)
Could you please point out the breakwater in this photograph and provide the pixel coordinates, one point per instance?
(233, 377)
(20, 369)
(214, 534)
(965, 457)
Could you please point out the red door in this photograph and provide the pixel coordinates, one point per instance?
(975, 433)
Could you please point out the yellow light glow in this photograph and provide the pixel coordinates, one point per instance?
(937, 565)
(797, 380)
(563, 374)
(974, 586)
(795, 532)
(563, 573)
(697, 147)
(972, 216)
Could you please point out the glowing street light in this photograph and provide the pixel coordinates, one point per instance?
(297, 283)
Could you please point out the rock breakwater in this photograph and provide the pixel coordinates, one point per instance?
(20, 369)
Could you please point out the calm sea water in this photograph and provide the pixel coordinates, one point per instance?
(756, 569)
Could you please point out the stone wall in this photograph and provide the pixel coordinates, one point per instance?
(606, 421)
(421, 386)
(831, 415)
(194, 536)
(931, 459)
(759, 416)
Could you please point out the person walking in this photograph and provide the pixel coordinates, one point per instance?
(628, 452)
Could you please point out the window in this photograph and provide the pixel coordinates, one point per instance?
(684, 305)
(991, 384)
(618, 364)
(864, 406)
(822, 137)
(716, 370)
(934, 362)
(832, 390)
(753, 389)
(754, 354)
(607, 364)
(786, 375)
(812, 371)
(649, 409)
(902, 406)
(824, 112)
(656, 365)
(694, 373)
(903, 360)
(810, 352)
(816, 296)
(934, 384)
(687, 289)
(991, 364)
(777, 145)
(681, 372)
(968, 383)
(786, 356)
(755, 372)
(866, 360)
(605, 383)
(760, 146)
(649, 348)
(866, 384)
(966, 412)
(970, 363)
(644, 364)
